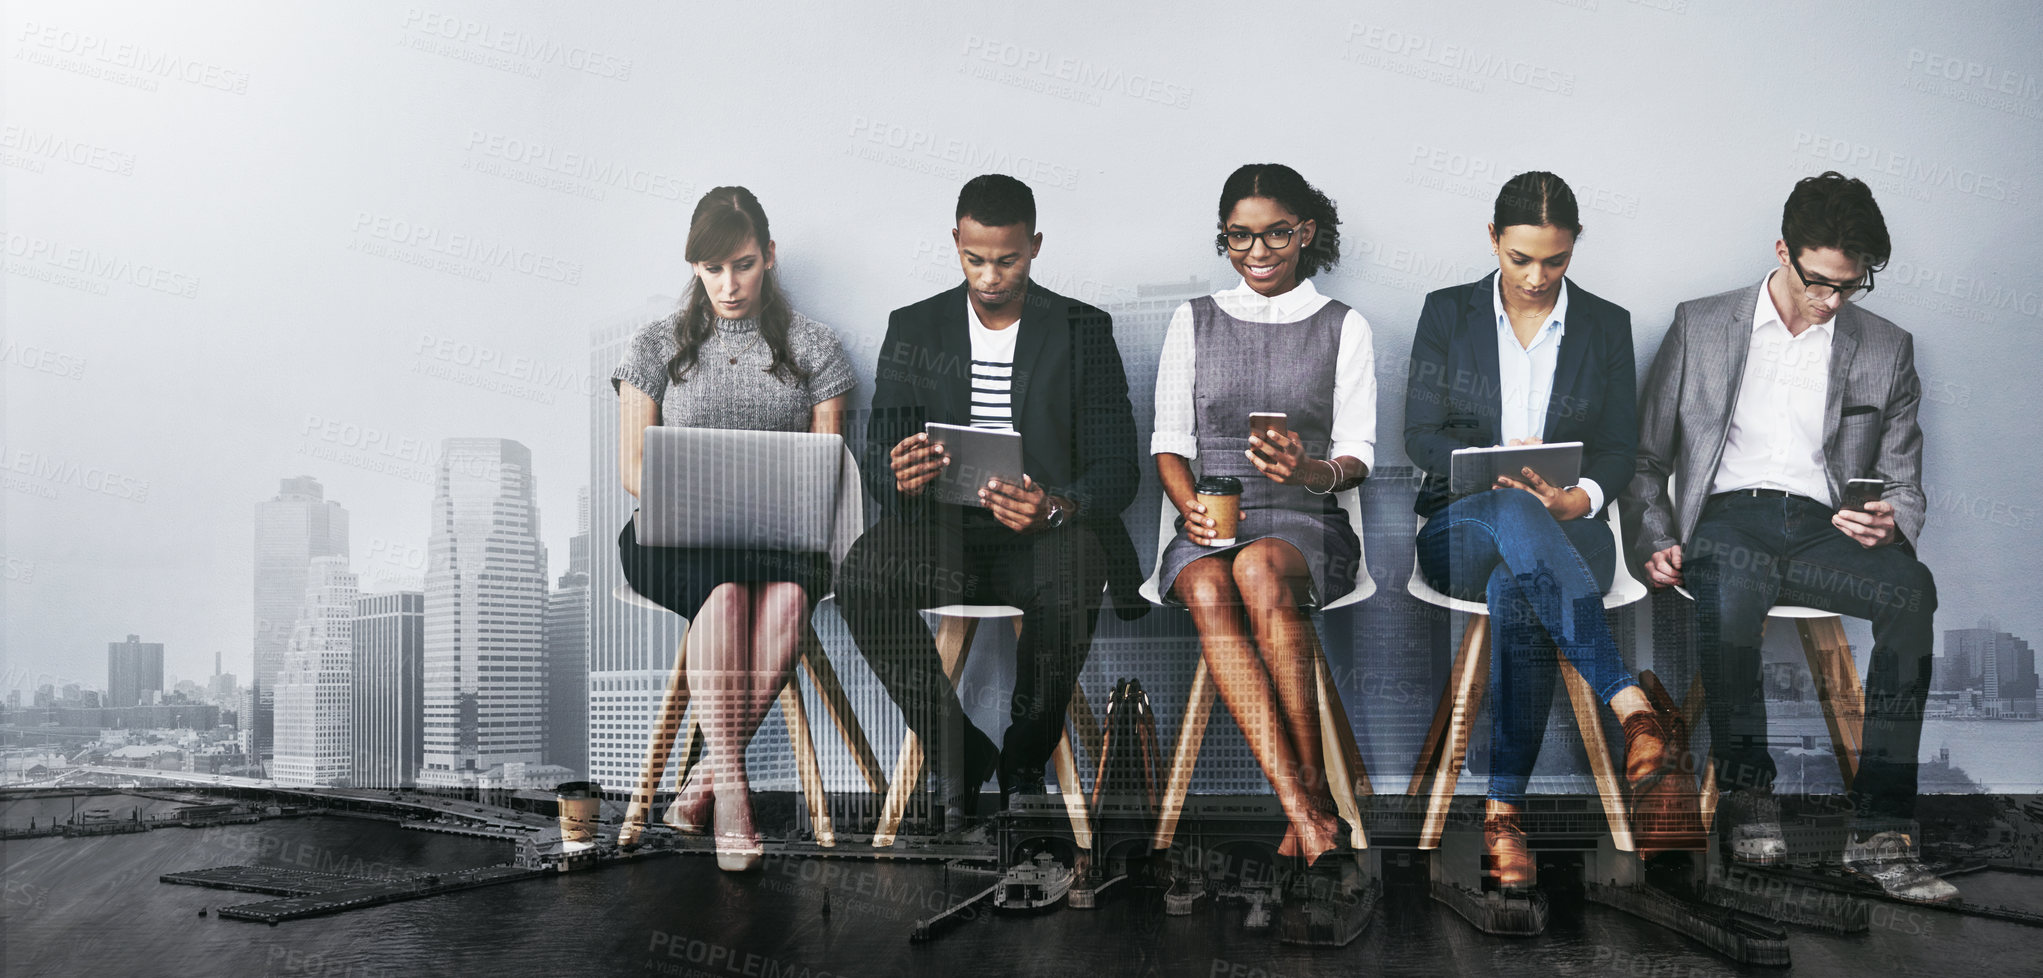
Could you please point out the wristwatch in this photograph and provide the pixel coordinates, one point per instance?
(1057, 514)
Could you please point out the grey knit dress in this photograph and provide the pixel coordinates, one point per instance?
(729, 387)
(1244, 367)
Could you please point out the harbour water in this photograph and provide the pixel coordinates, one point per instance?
(86, 906)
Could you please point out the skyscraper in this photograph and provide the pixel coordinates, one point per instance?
(133, 669)
(567, 655)
(290, 530)
(1996, 663)
(314, 699)
(389, 688)
(631, 649)
(485, 682)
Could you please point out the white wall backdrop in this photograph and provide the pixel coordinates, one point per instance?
(247, 241)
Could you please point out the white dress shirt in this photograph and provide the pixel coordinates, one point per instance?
(1526, 377)
(1776, 435)
(1354, 421)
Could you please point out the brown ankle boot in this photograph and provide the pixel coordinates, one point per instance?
(1507, 861)
(1649, 740)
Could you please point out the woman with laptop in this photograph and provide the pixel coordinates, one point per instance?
(1520, 357)
(734, 356)
(1271, 346)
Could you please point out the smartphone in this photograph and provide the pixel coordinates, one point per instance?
(1859, 492)
(1262, 421)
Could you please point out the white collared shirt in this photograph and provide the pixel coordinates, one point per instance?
(1776, 435)
(1525, 377)
(1354, 420)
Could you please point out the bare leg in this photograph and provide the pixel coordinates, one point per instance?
(1272, 578)
(718, 674)
(1207, 587)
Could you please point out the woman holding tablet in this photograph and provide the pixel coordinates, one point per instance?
(734, 356)
(1520, 357)
(1272, 344)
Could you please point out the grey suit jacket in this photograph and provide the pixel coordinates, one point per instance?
(1869, 426)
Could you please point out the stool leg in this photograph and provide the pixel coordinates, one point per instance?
(824, 677)
(1091, 735)
(667, 723)
(1470, 680)
(953, 643)
(796, 715)
(1074, 794)
(1589, 720)
(1692, 713)
(1345, 774)
(1191, 733)
(1837, 687)
(1436, 733)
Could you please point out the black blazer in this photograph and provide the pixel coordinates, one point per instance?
(1070, 398)
(1453, 400)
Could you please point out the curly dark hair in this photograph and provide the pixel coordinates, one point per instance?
(1283, 185)
(1832, 210)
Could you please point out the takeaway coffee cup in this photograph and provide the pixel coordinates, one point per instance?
(581, 804)
(1221, 495)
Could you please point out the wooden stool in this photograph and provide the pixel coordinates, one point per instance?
(1838, 688)
(1347, 778)
(794, 712)
(1446, 746)
(957, 625)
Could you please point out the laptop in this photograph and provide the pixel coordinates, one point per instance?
(738, 489)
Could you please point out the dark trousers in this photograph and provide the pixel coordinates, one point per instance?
(952, 556)
(1748, 553)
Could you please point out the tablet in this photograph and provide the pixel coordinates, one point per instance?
(1473, 470)
(978, 455)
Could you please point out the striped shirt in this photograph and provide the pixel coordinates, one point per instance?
(992, 373)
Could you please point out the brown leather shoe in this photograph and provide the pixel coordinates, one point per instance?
(1649, 756)
(1666, 811)
(1507, 861)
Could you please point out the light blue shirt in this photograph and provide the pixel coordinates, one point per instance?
(1526, 377)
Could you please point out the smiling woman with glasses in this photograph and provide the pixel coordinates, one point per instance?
(1271, 344)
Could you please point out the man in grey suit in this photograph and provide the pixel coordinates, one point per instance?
(1762, 404)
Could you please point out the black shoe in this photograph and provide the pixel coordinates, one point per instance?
(1023, 786)
(959, 792)
(1749, 820)
(1885, 852)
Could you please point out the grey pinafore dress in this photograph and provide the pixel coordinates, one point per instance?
(1243, 367)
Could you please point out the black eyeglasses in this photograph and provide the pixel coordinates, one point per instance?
(1820, 291)
(1276, 238)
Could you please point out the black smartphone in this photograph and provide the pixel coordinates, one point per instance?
(1859, 492)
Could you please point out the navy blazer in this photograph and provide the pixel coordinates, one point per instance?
(1070, 402)
(1453, 397)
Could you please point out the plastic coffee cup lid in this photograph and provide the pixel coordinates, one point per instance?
(1218, 485)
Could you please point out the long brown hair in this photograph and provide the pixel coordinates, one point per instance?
(726, 220)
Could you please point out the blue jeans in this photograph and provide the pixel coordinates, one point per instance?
(1544, 580)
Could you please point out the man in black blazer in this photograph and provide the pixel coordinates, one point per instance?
(997, 352)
